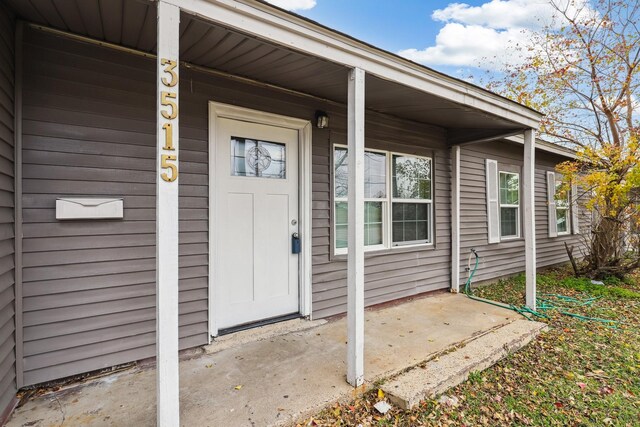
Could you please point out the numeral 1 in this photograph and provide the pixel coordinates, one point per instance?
(168, 136)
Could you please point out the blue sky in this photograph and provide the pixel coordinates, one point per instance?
(391, 25)
(461, 38)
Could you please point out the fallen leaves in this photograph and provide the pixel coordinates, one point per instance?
(605, 390)
(597, 374)
(451, 401)
(577, 373)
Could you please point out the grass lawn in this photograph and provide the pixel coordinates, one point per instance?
(579, 373)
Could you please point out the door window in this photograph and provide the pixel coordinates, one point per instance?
(256, 158)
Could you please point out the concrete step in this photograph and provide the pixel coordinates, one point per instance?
(261, 333)
(440, 374)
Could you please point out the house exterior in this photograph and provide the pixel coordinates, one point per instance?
(559, 219)
(138, 210)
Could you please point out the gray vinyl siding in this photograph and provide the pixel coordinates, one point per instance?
(7, 283)
(89, 130)
(507, 257)
(89, 286)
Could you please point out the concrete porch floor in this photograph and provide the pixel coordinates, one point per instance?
(282, 378)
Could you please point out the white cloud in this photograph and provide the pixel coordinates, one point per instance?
(488, 36)
(294, 4)
(498, 14)
(471, 46)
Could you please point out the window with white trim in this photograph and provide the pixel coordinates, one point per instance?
(411, 199)
(398, 199)
(509, 194)
(563, 201)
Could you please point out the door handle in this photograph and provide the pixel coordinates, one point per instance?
(296, 246)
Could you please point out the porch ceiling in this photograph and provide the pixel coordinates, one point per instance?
(132, 23)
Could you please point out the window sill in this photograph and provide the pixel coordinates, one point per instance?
(372, 253)
(510, 239)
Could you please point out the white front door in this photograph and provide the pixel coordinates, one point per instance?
(256, 213)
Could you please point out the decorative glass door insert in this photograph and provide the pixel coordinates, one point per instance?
(256, 158)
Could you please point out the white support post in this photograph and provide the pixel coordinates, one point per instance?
(455, 219)
(355, 259)
(528, 189)
(167, 380)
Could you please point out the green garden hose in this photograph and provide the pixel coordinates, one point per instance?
(543, 304)
(524, 311)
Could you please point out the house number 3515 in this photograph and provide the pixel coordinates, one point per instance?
(169, 113)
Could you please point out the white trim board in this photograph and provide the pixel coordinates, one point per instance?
(455, 218)
(219, 110)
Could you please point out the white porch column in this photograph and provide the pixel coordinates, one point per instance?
(355, 259)
(167, 381)
(455, 219)
(528, 189)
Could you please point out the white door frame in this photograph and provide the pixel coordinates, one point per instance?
(226, 111)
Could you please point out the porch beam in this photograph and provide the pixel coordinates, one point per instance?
(167, 378)
(475, 136)
(528, 188)
(455, 219)
(355, 258)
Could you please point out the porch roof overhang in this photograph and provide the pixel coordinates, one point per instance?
(257, 41)
(549, 147)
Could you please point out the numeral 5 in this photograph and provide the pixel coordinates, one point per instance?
(166, 100)
(165, 164)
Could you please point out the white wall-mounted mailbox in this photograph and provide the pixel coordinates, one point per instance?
(89, 208)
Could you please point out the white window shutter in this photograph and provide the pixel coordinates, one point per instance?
(493, 202)
(551, 202)
(575, 210)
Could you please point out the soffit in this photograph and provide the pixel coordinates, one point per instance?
(132, 24)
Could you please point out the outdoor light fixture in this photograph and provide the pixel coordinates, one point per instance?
(322, 120)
